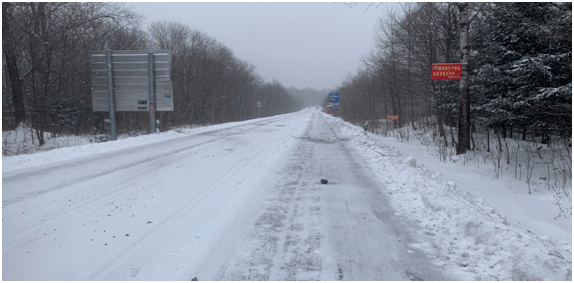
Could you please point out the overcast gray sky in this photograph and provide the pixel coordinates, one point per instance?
(299, 44)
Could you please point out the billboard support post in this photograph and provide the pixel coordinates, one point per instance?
(152, 98)
(258, 109)
(111, 96)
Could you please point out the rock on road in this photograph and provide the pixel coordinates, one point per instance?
(240, 203)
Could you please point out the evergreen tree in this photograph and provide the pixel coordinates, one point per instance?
(524, 69)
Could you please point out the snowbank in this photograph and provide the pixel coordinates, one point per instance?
(473, 240)
(83, 147)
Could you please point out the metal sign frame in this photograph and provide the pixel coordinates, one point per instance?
(131, 80)
(128, 80)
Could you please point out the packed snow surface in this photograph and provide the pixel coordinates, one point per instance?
(244, 201)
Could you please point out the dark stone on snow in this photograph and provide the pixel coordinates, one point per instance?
(324, 181)
(194, 279)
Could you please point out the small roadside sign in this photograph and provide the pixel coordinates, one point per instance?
(334, 98)
(446, 71)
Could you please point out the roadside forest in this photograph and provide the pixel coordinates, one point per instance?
(520, 71)
(519, 98)
(46, 71)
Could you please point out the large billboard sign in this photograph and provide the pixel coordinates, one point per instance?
(446, 71)
(131, 80)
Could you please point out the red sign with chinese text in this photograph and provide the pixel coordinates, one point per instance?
(446, 71)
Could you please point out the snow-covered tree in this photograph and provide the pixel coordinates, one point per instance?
(524, 66)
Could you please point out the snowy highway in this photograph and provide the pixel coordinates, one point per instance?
(344, 230)
(244, 201)
(239, 203)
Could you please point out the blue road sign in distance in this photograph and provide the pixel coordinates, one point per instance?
(333, 108)
(334, 97)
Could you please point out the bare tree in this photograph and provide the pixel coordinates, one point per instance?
(9, 53)
(48, 42)
(464, 105)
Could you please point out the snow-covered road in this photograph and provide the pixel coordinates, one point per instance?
(344, 230)
(148, 212)
(243, 201)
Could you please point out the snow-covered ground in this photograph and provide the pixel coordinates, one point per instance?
(70, 147)
(483, 229)
(242, 201)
